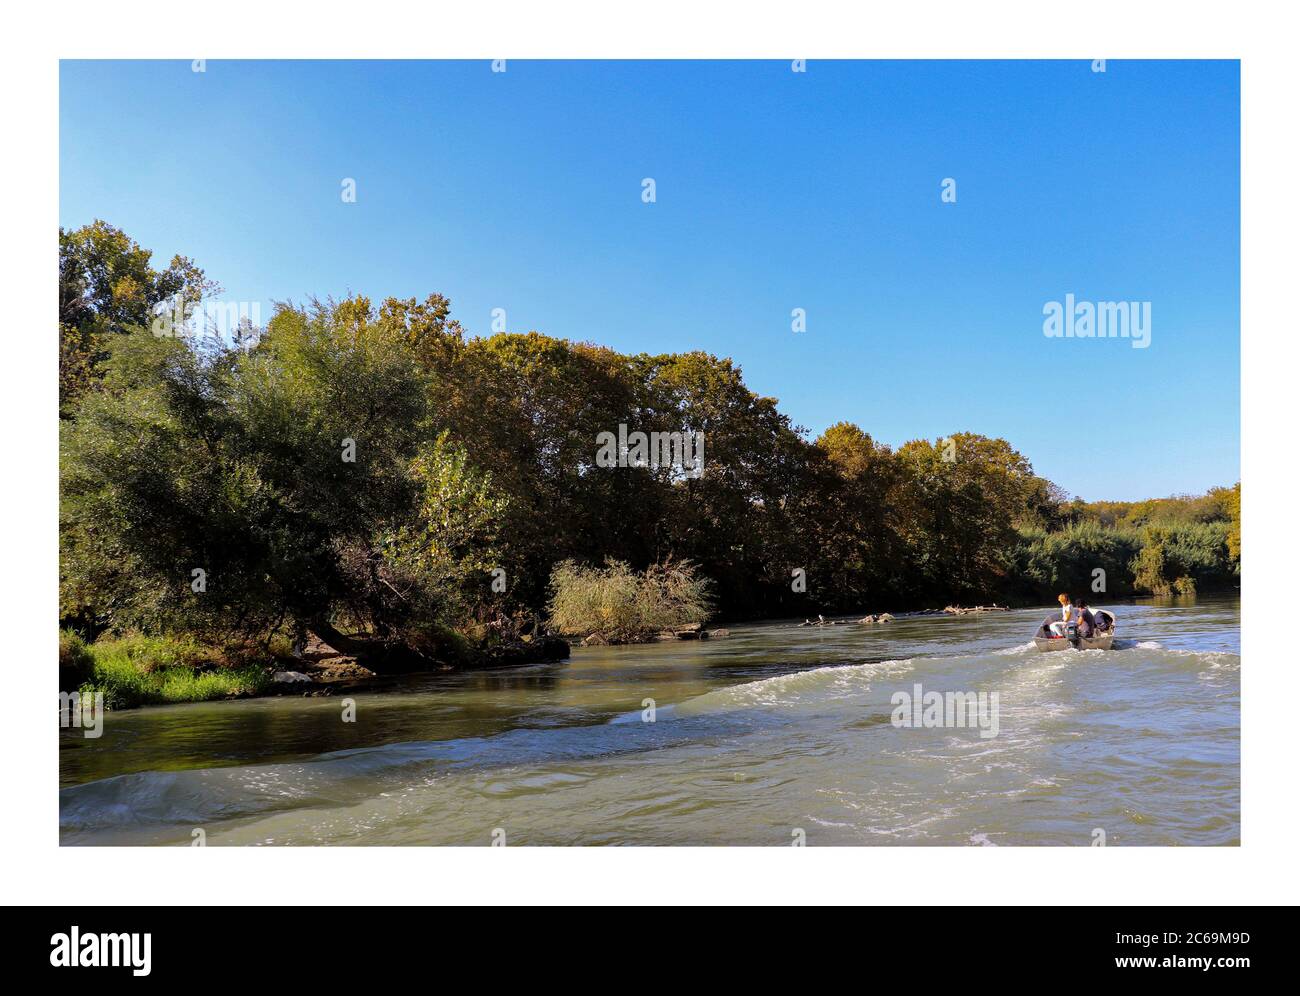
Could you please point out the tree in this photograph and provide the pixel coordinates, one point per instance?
(1150, 573)
(369, 473)
(958, 506)
(107, 287)
(1231, 498)
(742, 520)
(859, 553)
(298, 478)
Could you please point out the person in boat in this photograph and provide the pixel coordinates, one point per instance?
(1101, 621)
(1058, 627)
(1085, 621)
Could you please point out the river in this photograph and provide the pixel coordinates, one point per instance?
(775, 735)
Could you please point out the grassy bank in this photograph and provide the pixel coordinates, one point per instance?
(144, 670)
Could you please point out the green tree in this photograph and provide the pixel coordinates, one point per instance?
(857, 553)
(365, 473)
(107, 287)
(298, 476)
(958, 506)
(1232, 505)
(1150, 573)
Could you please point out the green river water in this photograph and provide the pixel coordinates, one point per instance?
(774, 735)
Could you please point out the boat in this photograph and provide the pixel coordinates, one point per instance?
(1072, 641)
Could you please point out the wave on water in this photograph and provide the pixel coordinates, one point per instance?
(198, 797)
(814, 689)
(1151, 652)
(1036, 690)
(1030, 649)
(1020, 650)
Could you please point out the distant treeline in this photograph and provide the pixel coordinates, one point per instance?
(352, 468)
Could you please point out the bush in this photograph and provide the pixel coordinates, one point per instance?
(76, 661)
(623, 606)
(1181, 557)
(146, 670)
(1200, 553)
(1149, 568)
(1065, 560)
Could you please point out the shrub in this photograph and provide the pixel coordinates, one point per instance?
(76, 662)
(1066, 560)
(152, 670)
(1200, 553)
(624, 606)
(1150, 573)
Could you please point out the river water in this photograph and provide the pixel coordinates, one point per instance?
(775, 735)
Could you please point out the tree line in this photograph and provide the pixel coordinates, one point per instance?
(360, 468)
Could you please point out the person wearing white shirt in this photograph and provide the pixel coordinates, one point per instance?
(1059, 627)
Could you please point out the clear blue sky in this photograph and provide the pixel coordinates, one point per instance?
(775, 190)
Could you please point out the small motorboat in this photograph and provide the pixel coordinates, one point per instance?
(1101, 638)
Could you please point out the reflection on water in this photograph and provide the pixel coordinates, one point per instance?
(775, 729)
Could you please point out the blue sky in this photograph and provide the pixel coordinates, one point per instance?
(775, 190)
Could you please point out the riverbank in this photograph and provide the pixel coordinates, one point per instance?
(138, 670)
(133, 671)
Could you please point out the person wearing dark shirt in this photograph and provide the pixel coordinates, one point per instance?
(1085, 621)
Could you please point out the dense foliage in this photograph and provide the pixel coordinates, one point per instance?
(353, 470)
(1172, 558)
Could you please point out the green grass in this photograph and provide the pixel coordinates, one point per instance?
(146, 670)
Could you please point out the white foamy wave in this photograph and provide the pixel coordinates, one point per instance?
(1212, 659)
(1017, 651)
(1222, 662)
(200, 796)
(802, 689)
